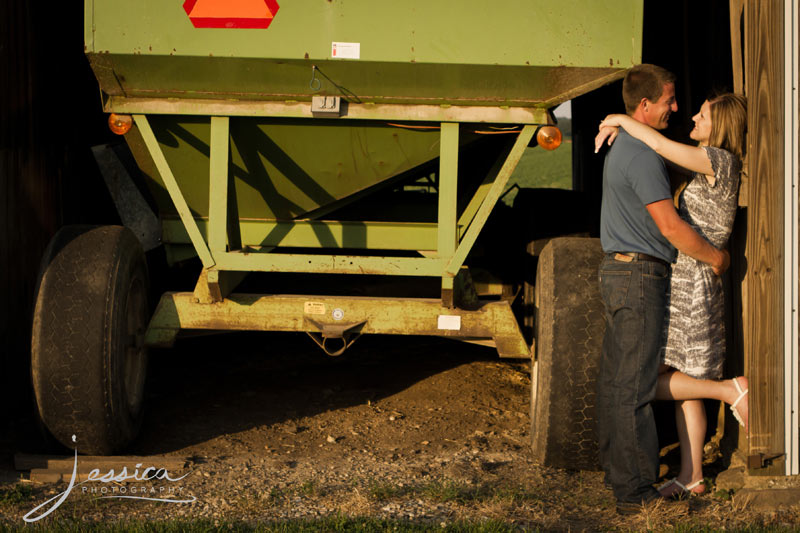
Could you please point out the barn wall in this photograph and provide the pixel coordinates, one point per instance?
(49, 118)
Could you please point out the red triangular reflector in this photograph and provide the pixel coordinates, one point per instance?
(231, 13)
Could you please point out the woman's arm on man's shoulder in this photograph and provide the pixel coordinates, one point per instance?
(693, 158)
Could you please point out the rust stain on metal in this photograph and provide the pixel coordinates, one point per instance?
(376, 100)
(224, 324)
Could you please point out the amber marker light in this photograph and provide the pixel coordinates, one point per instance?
(120, 124)
(549, 137)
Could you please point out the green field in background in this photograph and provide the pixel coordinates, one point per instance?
(542, 169)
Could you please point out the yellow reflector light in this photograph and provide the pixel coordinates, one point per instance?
(120, 124)
(549, 137)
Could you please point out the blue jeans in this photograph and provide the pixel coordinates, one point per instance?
(635, 299)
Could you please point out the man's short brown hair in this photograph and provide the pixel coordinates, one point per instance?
(644, 81)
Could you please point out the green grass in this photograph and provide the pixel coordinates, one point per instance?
(450, 491)
(540, 168)
(385, 491)
(17, 494)
(308, 489)
(702, 528)
(330, 524)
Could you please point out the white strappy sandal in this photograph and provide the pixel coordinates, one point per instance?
(686, 490)
(742, 394)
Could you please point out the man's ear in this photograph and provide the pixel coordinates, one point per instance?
(640, 113)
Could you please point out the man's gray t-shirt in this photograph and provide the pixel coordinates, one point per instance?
(633, 176)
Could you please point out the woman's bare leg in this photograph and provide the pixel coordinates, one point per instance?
(676, 385)
(690, 416)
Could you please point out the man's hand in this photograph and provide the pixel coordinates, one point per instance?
(723, 266)
(606, 132)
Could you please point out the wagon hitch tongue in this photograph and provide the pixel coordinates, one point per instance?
(334, 339)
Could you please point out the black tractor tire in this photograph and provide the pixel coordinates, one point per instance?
(569, 336)
(88, 359)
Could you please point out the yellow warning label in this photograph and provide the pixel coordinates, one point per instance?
(314, 308)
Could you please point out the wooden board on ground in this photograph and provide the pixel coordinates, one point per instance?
(55, 465)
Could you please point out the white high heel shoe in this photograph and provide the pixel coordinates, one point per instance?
(742, 394)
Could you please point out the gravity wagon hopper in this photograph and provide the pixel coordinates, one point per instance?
(342, 137)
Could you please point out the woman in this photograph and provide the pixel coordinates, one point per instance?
(694, 331)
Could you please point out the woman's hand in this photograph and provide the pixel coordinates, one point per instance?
(606, 132)
(609, 128)
(693, 158)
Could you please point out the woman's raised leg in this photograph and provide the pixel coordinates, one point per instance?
(675, 385)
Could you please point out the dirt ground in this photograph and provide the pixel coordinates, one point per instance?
(420, 429)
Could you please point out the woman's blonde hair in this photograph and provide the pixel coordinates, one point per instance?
(728, 123)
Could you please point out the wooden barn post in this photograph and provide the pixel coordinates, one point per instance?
(763, 319)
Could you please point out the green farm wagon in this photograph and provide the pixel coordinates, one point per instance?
(362, 139)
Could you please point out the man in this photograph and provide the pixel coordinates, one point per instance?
(639, 231)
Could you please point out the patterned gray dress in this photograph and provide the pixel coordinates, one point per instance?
(694, 330)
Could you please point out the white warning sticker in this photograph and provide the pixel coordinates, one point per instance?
(345, 50)
(450, 322)
(314, 308)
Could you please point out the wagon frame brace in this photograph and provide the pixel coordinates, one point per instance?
(225, 260)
